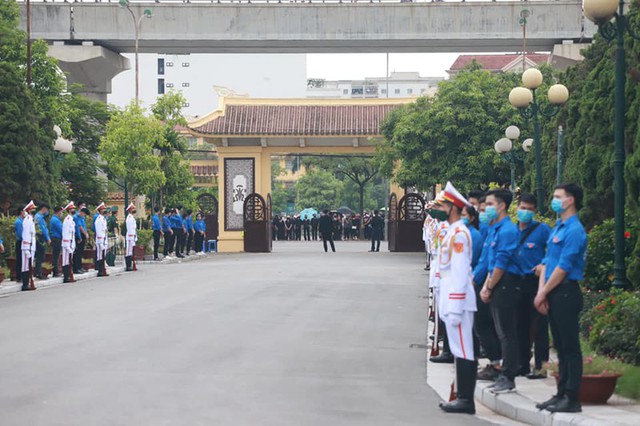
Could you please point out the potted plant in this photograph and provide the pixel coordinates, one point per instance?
(87, 263)
(4, 273)
(599, 377)
(144, 239)
(46, 269)
(11, 264)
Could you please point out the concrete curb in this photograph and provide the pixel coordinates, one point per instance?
(522, 409)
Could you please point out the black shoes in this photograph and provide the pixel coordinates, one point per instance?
(443, 358)
(565, 405)
(537, 374)
(503, 385)
(489, 373)
(461, 406)
(554, 400)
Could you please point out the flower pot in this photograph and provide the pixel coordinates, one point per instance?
(139, 252)
(596, 388)
(89, 254)
(11, 264)
(87, 265)
(45, 272)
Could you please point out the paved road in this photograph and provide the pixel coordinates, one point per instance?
(295, 337)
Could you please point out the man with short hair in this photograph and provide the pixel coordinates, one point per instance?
(325, 225)
(314, 227)
(189, 229)
(502, 286)
(81, 238)
(560, 297)
(100, 226)
(156, 226)
(68, 242)
(167, 231)
(130, 238)
(17, 226)
(532, 326)
(377, 223)
(56, 239)
(43, 238)
(475, 197)
(28, 246)
(176, 227)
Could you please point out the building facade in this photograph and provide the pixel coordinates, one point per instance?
(398, 85)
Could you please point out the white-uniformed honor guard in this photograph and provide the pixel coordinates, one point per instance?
(68, 242)
(131, 238)
(457, 304)
(100, 225)
(28, 247)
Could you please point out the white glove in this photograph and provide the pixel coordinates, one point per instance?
(454, 320)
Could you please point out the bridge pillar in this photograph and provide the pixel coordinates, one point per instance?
(93, 67)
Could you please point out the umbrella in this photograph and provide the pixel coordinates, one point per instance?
(345, 210)
(308, 213)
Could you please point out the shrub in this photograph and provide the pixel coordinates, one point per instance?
(594, 364)
(614, 326)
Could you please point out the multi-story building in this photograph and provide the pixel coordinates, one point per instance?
(398, 85)
(500, 63)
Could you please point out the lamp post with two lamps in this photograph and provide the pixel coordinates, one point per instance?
(504, 147)
(601, 12)
(525, 99)
(137, 22)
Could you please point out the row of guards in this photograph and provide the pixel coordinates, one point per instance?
(404, 228)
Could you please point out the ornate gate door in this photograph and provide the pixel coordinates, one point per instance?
(257, 238)
(208, 204)
(392, 224)
(269, 218)
(409, 224)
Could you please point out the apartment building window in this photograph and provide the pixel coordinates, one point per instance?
(185, 65)
(397, 91)
(160, 66)
(169, 64)
(345, 91)
(409, 91)
(169, 84)
(161, 86)
(383, 91)
(185, 85)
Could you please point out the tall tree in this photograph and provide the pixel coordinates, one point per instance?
(318, 189)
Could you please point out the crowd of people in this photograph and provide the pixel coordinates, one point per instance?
(180, 232)
(498, 286)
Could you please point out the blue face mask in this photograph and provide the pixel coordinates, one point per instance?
(46, 214)
(484, 218)
(492, 212)
(525, 216)
(465, 220)
(556, 205)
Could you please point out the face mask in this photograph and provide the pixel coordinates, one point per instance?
(556, 205)
(525, 216)
(46, 214)
(484, 218)
(133, 212)
(492, 212)
(465, 220)
(438, 215)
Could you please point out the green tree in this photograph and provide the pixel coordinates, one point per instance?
(318, 189)
(127, 148)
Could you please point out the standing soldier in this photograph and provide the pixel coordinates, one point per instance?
(68, 242)
(131, 238)
(457, 302)
(100, 226)
(28, 246)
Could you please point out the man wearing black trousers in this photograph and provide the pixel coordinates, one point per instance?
(156, 226)
(314, 227)
(377, 224)
(325, 225)
(167, 231)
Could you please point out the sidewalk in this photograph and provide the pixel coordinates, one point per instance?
(520, 406)
(8, 287)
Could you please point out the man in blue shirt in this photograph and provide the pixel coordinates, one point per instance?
(42, 237)
(189, 229)
(200, 229)
(532, 326)
(560, 298)
(178, 232)
(156, 226)
(56, 239)
(476, 197)
(81, 238)
(17, 226)
(168, 232)
(502, 286)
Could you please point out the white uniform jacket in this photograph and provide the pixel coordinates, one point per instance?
(439, 234)
(456, 278)
(101, 231)
(28, 236)
(69, 233)
(132, 234)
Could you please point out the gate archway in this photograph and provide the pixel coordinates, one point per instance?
(208, 205)
(256, 224)
(410, 218)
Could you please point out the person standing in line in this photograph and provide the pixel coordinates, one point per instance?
(167, 231)
(306, 228)
(68, 242)
(43, 238)
(189, 228)
(377, 224)
(532, 326)
(156, 226)
(17, 226)
(560, 298)
(314, 227)
(56, 239)
(325, 225)
(457, 302)
(474, 198)
(502, 286)
(131, 237)
(176, 227)
(200, 229)
(28, 246)
(81, 238)
(483, 325)
(100, 226)
(112, 222)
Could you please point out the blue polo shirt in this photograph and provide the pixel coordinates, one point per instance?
(17, 225)
(56, 227)
(532, 250)
(188, 221)
(41, 226)
(567, 249)
(200, 226)
(482, 268)
(155, 223)
(476, 245)
(81, 223)
(502, 251)
(93, 222)
(176, 221)
(166, 223)
(484, 230)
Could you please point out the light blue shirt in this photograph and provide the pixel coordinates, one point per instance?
(42, 226)
(567, 249)
(155, 223)
(502, 252)
(532, 250)
(56, 227)
(17, 225)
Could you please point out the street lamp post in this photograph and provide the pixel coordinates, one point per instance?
(137, 22)
(524, 98)
(504, 147)
(601, 12)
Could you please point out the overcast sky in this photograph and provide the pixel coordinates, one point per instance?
(346, 66)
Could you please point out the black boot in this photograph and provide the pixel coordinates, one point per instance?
(127, 261)
(25, 281)
(65, 273)
(566, 405)
(466, 379)
(443, 358)
(100, 267)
